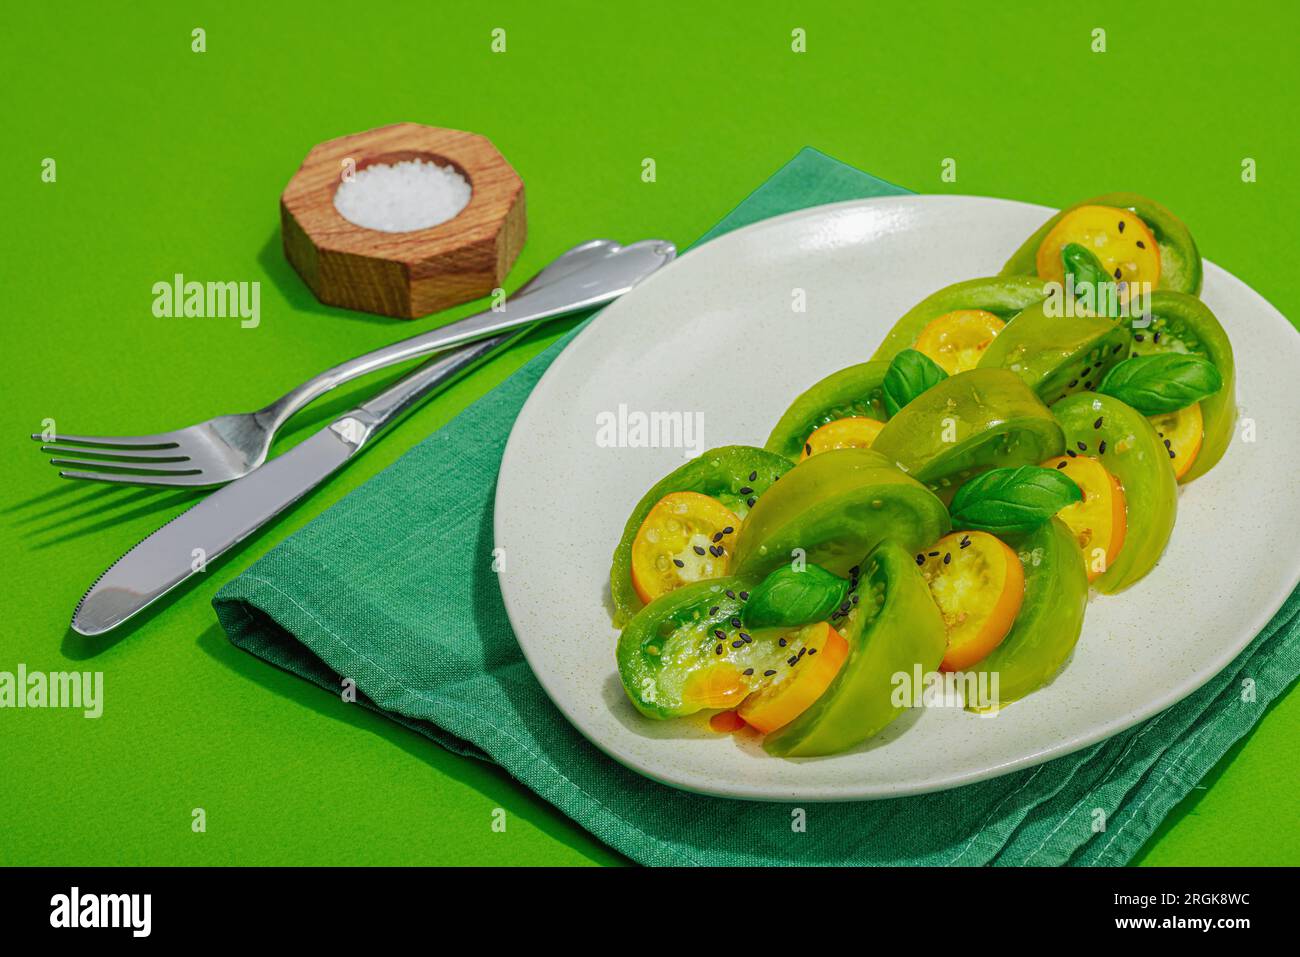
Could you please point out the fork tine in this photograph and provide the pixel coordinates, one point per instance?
(109, 454)
(112, 441)
(150, 468)
(123, 478)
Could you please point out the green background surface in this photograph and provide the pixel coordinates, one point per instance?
(172, 161)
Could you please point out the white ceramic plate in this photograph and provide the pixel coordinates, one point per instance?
(716, 333)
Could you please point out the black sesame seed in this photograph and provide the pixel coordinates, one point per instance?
(1085, 370)
(745, 638)
(933, 554)
(1118, 347)
(1139, 337)
(717, 536)
(713, 610)
(1071, 453)
(965, 541)
(1087, 385)
(1121, 225)
(1155, 337)
(855, 571)
(1171, 454)
(846, 605)
(729, 593)
(807, 449)
(717, 650)
(1097, 424)
(1118, 274)
(1082, 446)
(791, 660)
(1101, 448)
(801, 652)
(749, 671)
(699, 550)
(920, 559)
(737, 643)
(1166, 443)
(744, 596)
(679, 563)
(781, 642)
(753, 475)
(746, 490)
(719, 633)
(811, 652)
(1141, 245)
(1059, 465)
(854, 599)
(735, 623)
(768, 673)
(1072, 383)
(750, 503)
(947, 558)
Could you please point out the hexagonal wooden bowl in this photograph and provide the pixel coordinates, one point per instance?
(403, 274)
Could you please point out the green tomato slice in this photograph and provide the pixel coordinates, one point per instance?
(835, 507)
(894, 627)
(968, 423)
(848, 393)
(685, 651)
(722, 473)
(1057, 355)
(1050, 618)
(1180, 260)
(1182, 323)
(1004, 296)
(1127, 445)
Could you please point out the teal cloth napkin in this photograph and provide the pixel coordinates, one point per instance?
(392, 588)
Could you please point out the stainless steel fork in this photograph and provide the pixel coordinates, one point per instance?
(230, 446)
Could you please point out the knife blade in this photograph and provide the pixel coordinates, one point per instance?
(189, 542)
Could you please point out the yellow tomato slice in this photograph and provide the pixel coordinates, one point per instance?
(685, 538)
(725, 722)
(1119, 239)
(1100, 520)
(796, 686)
(956, 340)
(857, 432)
(978, 584)
(1182, 432)
(715, 686)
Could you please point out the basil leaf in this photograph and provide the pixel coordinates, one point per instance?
(1164, 382)
(910, 374)
(790, 598)
(1083, 265)
(1012, 499)
(1088, 280)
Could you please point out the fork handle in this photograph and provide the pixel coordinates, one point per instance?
(583, 288)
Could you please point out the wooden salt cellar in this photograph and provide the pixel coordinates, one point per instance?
(403, 274)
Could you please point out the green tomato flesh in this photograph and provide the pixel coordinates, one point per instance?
(968, 423)
(689, 630)
(894, 628)
(835, 507)
(1182, 323)
(1050, 618)
(719, 473)
(849, 393)
(1136, 457)
(1004, 296)
(1180, 260)
(1057, 355)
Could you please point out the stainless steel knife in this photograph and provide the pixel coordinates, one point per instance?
(197, 537)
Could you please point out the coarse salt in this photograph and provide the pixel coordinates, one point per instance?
(402, 197)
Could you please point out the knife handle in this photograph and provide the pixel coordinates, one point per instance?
(367, 419)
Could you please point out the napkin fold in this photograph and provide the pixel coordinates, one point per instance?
(390, 587)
